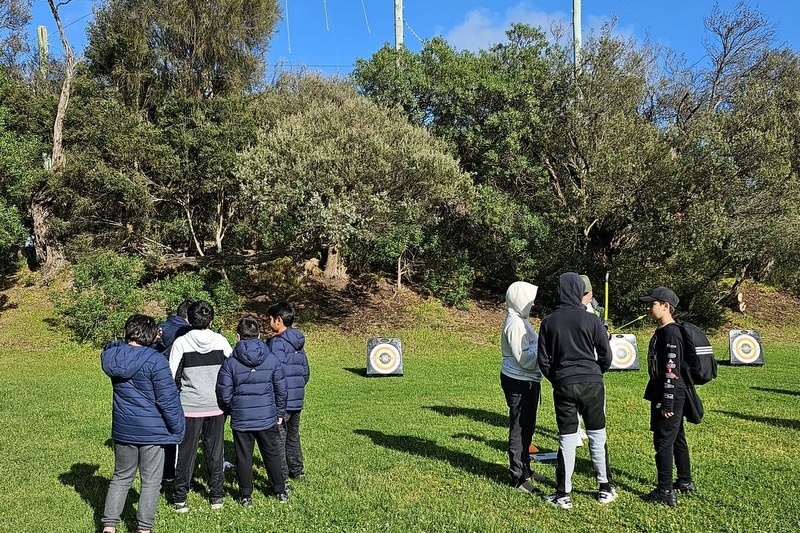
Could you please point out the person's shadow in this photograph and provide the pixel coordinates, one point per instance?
(93, 488)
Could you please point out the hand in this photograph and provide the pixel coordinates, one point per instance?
(667, 414)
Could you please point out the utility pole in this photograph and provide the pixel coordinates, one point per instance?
(576, 34)
(398, 24)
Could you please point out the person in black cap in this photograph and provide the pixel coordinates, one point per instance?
(666, 391)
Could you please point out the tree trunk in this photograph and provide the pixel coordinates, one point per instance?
(49, 251)
(334, 267)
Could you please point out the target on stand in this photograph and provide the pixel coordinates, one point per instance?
(384, 357)
(623, 351)
(745, 347)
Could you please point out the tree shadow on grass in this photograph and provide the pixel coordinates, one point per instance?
(777, 391)
(770, 421)
(92, 488)
(485, 416)
(429, 449)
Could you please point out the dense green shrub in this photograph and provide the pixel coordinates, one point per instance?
(203, 285)
(12, 236)
(104, 293)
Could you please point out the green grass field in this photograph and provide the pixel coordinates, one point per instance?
(423, 452)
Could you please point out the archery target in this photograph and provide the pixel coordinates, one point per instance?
(745, 347)
(623, 351)
(384, 357)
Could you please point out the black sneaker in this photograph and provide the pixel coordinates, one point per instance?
(527, 487)
(683, 487)
(299, 477)
(246, 502)
(283, 497)
(217, 503)
(663, 496)
(180, 507)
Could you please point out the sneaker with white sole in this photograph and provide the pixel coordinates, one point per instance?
(217, 503)
(180, 507)
(559, 500)
(605, 496)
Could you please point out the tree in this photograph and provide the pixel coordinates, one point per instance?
(14, 18)
(336, 173)
(187, 68)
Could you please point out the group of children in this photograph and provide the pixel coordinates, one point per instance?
(572, 352)
(176, 384)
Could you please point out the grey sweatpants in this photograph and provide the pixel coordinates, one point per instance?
(149, 460)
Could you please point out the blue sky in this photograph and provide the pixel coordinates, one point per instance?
(329, 35)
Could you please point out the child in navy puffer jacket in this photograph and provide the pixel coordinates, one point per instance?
(252, 390)
(146, 416)
(288, 345)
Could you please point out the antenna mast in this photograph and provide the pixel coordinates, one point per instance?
(576, 33)
(398, 24)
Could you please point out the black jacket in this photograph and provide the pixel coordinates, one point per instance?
(573, 344)
(664, 364)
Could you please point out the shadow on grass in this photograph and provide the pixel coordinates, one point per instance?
(487, 417)
(429, 449)
(499, 445)
(92, 488)
(358, 371)
(770, 421)
(777, 391)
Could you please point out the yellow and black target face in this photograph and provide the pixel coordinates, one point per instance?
(384, 358)
(624, 352)
(745, 348)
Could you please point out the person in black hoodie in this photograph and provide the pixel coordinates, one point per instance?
(667, 392)
(574, 353)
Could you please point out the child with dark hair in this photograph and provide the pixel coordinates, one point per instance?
(252, 390)
(288, 345)
(195, 360)
(146, 416)
(667, 391)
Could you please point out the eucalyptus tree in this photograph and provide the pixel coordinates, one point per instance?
(188, 68)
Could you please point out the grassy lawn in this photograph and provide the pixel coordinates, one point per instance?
(424, 452)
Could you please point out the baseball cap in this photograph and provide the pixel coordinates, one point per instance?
(661, 294)
(587, 285)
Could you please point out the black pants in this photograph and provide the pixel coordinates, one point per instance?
(292, 457)
(522, 398)
(170, 456)
(669, 441)
(269, 444)
(589, 401)
(211, 428)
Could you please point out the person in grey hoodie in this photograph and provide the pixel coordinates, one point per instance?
(520, 380)
(195, 360)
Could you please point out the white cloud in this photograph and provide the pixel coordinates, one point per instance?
(485, 27)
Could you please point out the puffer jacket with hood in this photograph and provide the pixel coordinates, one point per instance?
(518, 343)
(195, 359)
(288, 347)
(172, 328)
(573, 344)
(251, 387)
(146, 407)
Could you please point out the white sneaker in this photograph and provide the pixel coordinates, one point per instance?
(562, 501)
(607, 496)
